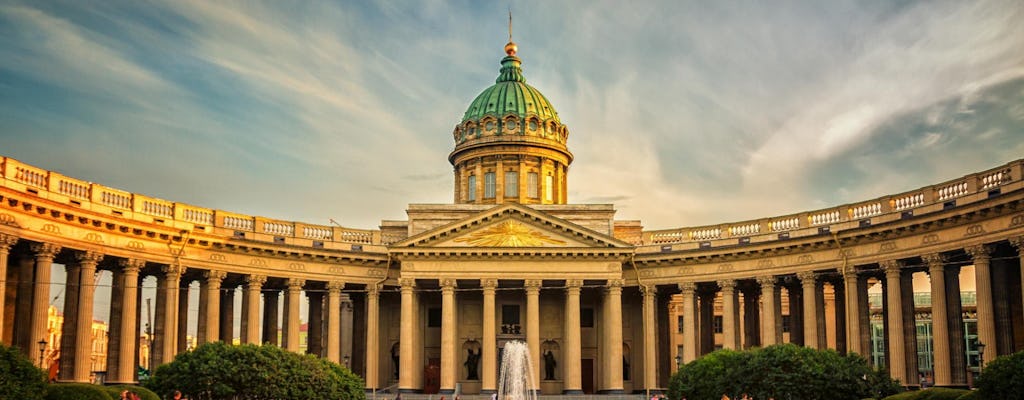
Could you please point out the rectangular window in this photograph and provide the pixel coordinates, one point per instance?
(679, 323)
(785, 324)
(718, 324)
(433, 317)
(510, 314)
(587, 318)
(511, 184)
(532, 182)
(489, 185)
(471, 188)
(549, 186)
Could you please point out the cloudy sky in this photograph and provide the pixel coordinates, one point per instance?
(680, 113)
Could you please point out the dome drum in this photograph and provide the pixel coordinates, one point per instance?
(511, 124)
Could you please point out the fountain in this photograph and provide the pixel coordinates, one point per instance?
(515, 382)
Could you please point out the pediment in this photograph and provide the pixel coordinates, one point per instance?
(512, 226)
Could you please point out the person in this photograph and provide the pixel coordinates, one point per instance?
(494, 396)
(176, 395)
(398, 396)
(125, 395)
(549, 365)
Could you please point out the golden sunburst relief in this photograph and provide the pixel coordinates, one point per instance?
(509, 234)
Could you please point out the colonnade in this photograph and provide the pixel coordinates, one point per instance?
(762, 321)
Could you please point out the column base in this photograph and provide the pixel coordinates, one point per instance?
(409, 390)
(651, 391)
(611, 391)
(572, 391)
(446, 391)
(488, 391)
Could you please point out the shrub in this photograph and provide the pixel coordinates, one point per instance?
(220, 371)
(1002, 378)
(783, 371)
(76, 391)
(144, 394)
(931, 394)
(19, 378)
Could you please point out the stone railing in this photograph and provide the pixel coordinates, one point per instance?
(973, 187)
(98, 198)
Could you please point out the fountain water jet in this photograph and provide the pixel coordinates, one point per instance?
(515, 382)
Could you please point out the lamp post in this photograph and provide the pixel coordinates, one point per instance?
(346, 360)
(42, 351)
(981, 356)
(679, 361)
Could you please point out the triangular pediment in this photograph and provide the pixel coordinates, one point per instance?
(511, 226)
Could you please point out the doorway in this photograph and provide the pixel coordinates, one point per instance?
(587, 375)
(432, 376)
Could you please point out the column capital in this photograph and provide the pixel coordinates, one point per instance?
(131, 265)
(616, 283)
(806, 277)
(409, 283)
(532, 285)
(727, 284)
(171, 269)
(333, 287)
(688, 288)
(448, 284)
(979, 252)
(890, 267)
(489, 284)
(574, 283)
(214, 276)
(935, 261)
(89, 257)
(766, 281)
(296, 283)
(649, 290)
(45, 250)
(6, 241)
(1017, 242)
(256, 281)
(372, 290)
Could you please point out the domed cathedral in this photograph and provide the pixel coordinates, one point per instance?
(913, 281)
(511, 146)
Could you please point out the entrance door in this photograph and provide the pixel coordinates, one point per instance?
(587, 375)
(432, 376)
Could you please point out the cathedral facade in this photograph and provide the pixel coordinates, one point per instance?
(424, 305)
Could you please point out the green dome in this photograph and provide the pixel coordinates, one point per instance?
(511, 95)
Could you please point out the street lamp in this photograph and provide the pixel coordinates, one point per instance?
(42, 350)
(679, 361)
(346, 360)
(981, 356)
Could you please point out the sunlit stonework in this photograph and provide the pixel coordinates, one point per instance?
(509, 234)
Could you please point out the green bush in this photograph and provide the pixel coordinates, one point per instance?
(971, 395)
(931, 394)
(144, 394)
(222, 371)
(781, 372)
(1002, 378)
(76, 391)
(19, 378)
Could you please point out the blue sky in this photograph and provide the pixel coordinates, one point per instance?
(680, 113)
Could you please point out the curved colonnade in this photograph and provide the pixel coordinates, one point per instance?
(372, 293)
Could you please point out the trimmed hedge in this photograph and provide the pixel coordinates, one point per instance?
(144, 394)
(19, 377)
(76, 391)
(783, 372)
(931, 394)
(1002, 378)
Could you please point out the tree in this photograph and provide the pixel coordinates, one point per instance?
(19, 378)
(781, 372)
(221, 371)
(1002, 378)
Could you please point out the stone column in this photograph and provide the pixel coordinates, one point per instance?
(372, 340)
(689, 321)
(271, 303)
(1018, 244)
(448, 327)
(612, 326)
(347, 330)
(706, 320)
(490, 342)
(894, 307)
(334, 320)
(533, 327)
(128, 324)
(213, 280)
(66, 347)
(83, 334)
(940, 327)
(729, 314)
(852, 312)
(253, 286)
(292, 322)
(955, 324)
(986, 311)
(839, 291)
(6, 242)
(571, 374)
(315, 334)
(227, 315)
(44, 254)
(182, 323)
(407, 367)
(809, 283)
(768, 308)
(751, 316)
(166, 330)
(650, 338)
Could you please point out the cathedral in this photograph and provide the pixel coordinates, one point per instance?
(425, 305)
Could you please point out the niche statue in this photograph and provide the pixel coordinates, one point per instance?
(549, 365)
(472, 361)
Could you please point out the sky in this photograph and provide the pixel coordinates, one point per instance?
(680, 113)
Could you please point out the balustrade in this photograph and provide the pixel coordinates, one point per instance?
(159, 208)
(908, 201)
(197, 216)
(952, 191)
(827, 217)
(866, 210)
(706, 234)
(73, 189)
(744, 230)
(994, 179)
(243, 224)
(279, 228)
(317, 232)
(785, 224)
(116, 199)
